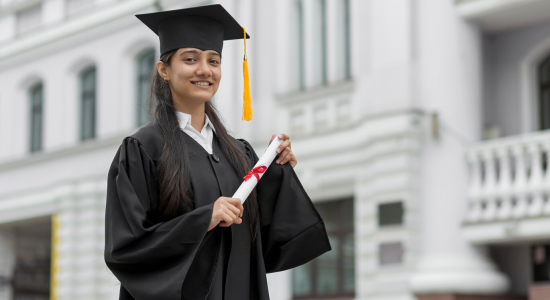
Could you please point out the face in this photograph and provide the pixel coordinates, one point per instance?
(193, 74)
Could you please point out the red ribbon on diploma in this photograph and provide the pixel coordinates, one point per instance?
(255, 172)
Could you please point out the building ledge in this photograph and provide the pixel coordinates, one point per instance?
(314, 93)
(467, 297)
(71, 27)
(500, 15)
(511, 231)
(81, 147)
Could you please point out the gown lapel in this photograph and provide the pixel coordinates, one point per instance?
(214, 172)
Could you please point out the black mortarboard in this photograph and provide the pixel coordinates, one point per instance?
(202, 27)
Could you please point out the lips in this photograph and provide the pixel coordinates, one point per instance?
(201, 83)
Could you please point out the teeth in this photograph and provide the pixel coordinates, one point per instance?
(202, 83)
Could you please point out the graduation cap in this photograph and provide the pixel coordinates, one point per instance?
(202, 27)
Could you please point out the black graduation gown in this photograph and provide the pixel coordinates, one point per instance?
(180, 258)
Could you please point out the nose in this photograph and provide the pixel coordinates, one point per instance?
(203, 69)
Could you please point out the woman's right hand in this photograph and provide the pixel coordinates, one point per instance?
(226, 212)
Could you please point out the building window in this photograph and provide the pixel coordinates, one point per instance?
(32, 264)
(347, 39)
(540, 262)
(88, 103)
(28, 19)
(145, 65)
(544, 102)
(36, 96)
(333, 273)
(390, 214)
(323, 31)
(390, 253)
(301, 55)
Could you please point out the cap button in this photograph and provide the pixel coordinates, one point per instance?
(215, 157)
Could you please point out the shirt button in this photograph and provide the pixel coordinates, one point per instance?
(215, 157)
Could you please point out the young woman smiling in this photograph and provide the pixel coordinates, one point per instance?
(172, 231)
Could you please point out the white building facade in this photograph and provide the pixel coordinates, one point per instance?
(419, 127)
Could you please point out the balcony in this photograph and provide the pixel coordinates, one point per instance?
(508, 196)
(500, 15)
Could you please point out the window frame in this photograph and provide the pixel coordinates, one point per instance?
(142, 117)
(340, 232)
(543, 87)
(324, 42)
(85, 95)
(36, 130)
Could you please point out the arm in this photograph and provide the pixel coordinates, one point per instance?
(292, 230)
(150, 260)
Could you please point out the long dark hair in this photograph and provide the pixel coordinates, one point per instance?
(173, 172)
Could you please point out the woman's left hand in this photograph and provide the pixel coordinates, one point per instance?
(284, 151)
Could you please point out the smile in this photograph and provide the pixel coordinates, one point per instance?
(202, 83)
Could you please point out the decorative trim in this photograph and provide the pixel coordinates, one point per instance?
(16, 6)
(81, 147)
(72, 27)
(336, 88)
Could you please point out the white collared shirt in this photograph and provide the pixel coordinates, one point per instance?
(204, 138)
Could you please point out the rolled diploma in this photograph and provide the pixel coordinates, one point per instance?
(247, 186)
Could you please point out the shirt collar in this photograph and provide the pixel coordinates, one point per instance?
(184, 119)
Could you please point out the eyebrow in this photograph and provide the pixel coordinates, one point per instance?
(197, 52)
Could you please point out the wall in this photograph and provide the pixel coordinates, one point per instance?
(505, 95)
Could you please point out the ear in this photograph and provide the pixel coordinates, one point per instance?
(162, 69)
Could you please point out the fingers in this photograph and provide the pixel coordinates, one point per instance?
(283, 155)
(227, 211)
(236, 202)
(283, 146)
(228, 218)
(234, 209)
(283, 136)
(271, 140)
(287, 156)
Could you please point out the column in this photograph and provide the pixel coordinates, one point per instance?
(449, 83)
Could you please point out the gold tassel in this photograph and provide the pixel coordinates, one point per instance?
(247, 102)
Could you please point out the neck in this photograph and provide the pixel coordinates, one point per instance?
(196, 110)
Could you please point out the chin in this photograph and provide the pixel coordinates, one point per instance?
(202, 98)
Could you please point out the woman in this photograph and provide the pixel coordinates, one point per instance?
(172, 232)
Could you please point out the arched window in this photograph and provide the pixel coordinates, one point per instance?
(88, 103)
(36, 99)
(145, 65)
(544, 101)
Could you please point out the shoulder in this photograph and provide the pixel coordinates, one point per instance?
(247, 149)
(150, 138)
(241, 144)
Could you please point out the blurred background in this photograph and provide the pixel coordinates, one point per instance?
(420, 127)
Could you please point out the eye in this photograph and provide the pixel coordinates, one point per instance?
(214, 61)
(190, 59)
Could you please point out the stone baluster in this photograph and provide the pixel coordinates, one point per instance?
(489, 185)
(474, 212)
(520, 182)
(504, 183)
(535, 179)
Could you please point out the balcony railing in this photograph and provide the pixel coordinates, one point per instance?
(509, 178)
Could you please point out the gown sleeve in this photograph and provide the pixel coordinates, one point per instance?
(149, 259)
(292, 230)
